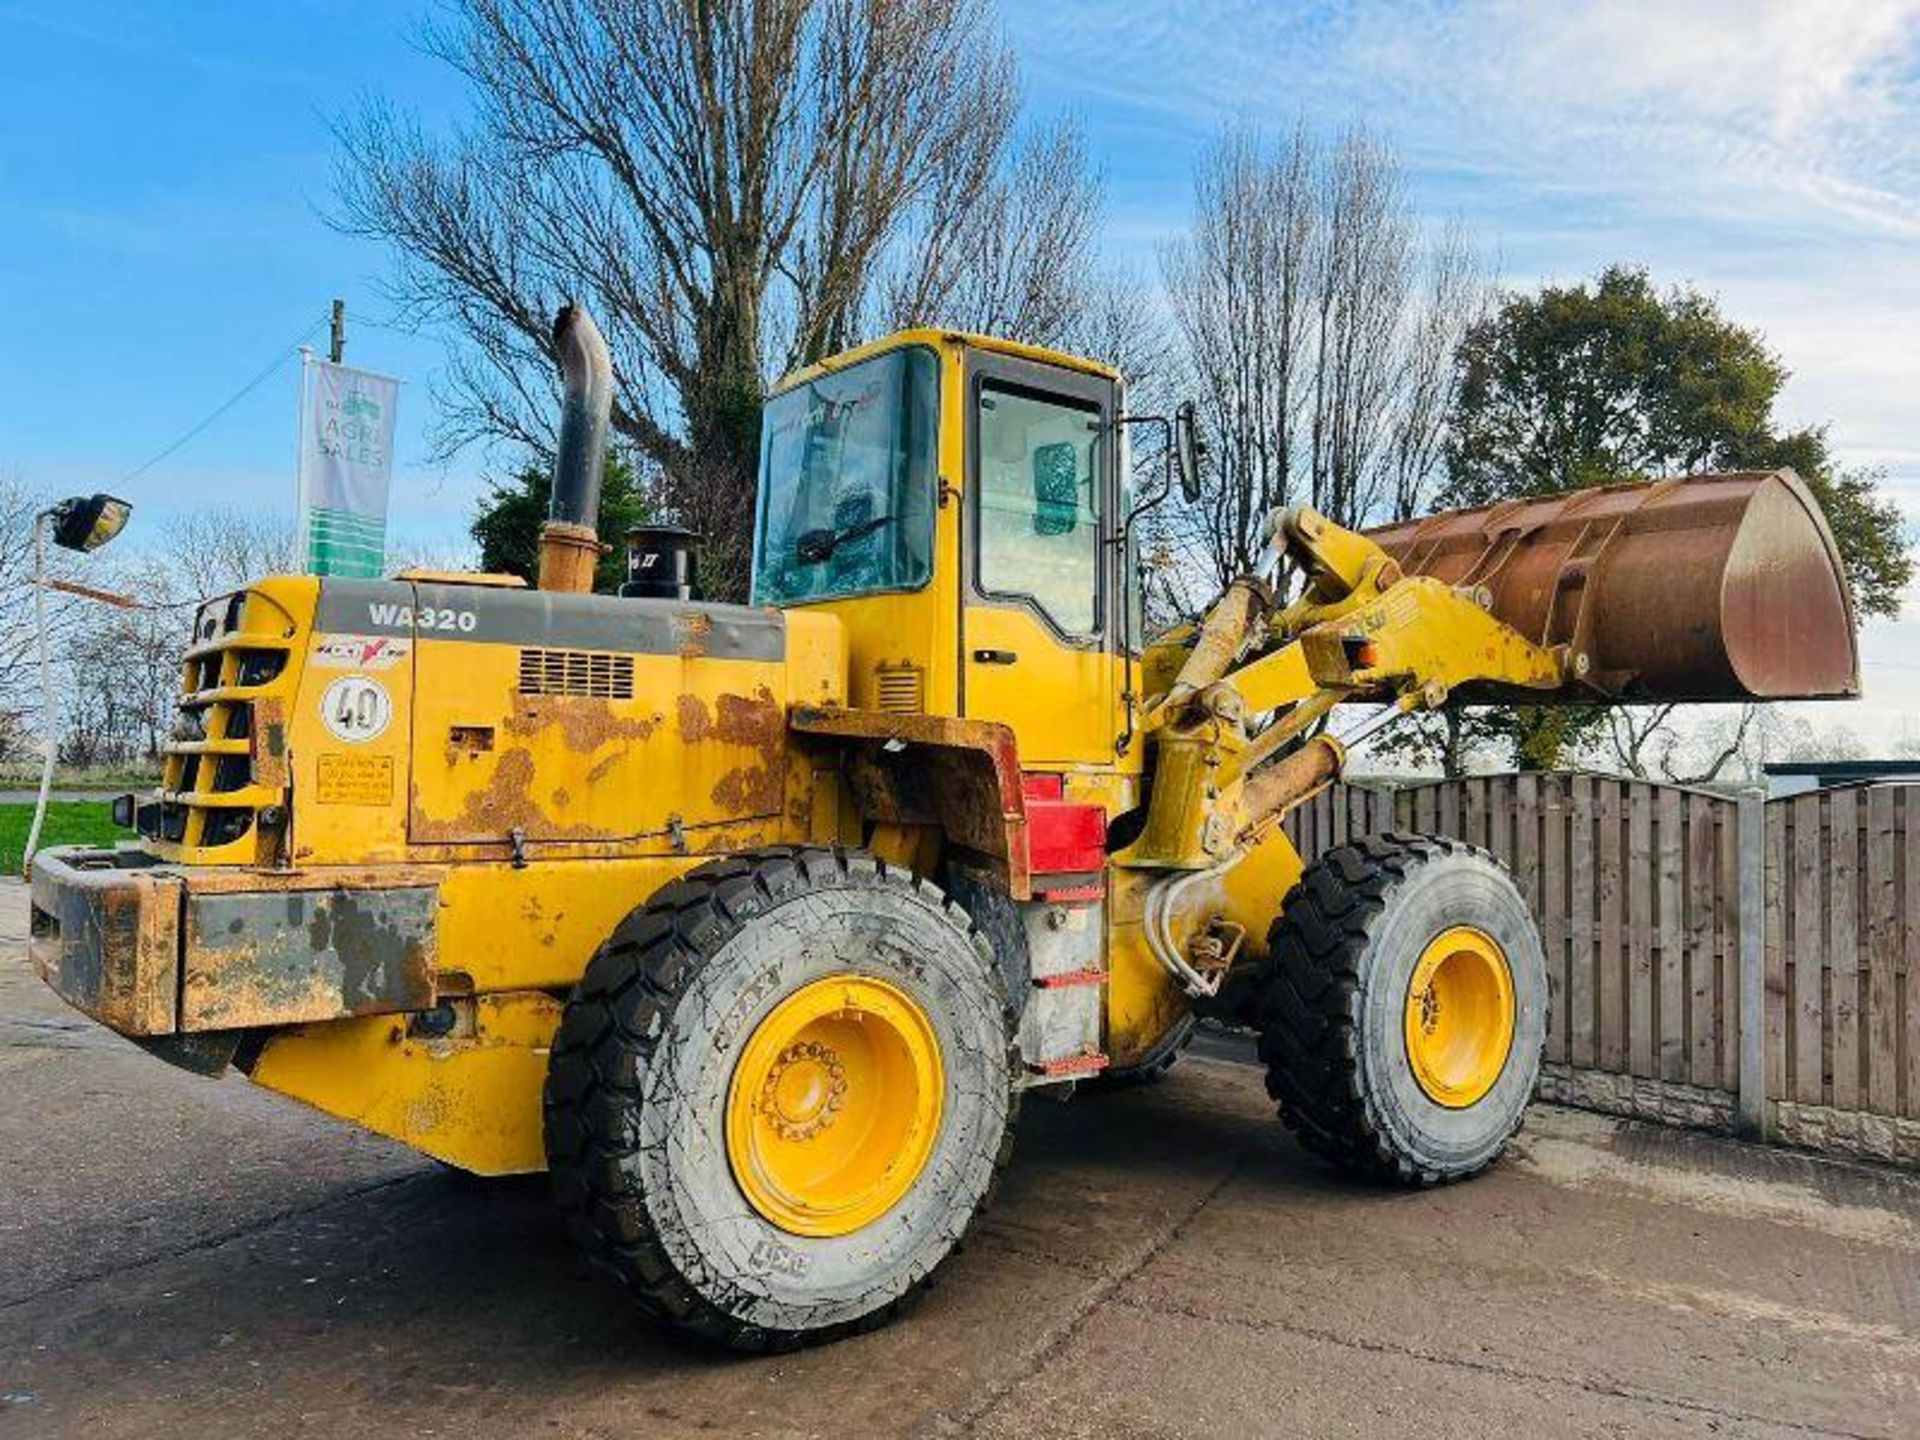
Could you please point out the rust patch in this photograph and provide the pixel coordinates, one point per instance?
(492, 811)
(225, 880)
(751, 720)
(696, 722)
(269, 743)
(535, 915)
(602, 766)
(755, 723)
(751, 789)
(726, 842)
(584, 724)
(690, 631)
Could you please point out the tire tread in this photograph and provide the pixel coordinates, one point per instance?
(1310, 1016)
(612, 1025)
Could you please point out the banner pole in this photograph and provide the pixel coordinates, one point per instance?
(301, 522)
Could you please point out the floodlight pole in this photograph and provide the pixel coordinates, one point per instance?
(50, 712)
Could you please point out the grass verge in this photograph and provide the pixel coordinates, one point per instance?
(77, 822)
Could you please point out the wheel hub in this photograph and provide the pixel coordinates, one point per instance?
(804, 1090)
(1459, 1016)
(834, 1105)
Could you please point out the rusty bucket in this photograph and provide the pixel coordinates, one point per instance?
(1708, 587)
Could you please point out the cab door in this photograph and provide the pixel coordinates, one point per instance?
(1038, 630)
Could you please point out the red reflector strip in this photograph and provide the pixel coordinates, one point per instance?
(1095, 891)
(1071, 1065)
(1069, 977)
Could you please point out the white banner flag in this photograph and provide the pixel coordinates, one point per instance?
(346, 467)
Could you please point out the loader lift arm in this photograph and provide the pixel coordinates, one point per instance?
(1359, 630)
(1724, 587)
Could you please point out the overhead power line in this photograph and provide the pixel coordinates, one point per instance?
(280, 358)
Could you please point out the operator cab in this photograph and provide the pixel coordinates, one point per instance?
(958, 502)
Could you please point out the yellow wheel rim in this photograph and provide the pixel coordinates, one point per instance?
(834, 1105)
(1460, 1015)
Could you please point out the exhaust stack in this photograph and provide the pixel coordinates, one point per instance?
(570, 541)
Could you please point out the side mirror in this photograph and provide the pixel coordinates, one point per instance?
(1188, 453)
(1056, 489)
(86, 522)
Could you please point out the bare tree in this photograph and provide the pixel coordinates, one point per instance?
(1650, 742)
(1766, 733)
(726, 185)
(408, 553)
(1119, 320)
(211, 552)
(120, 668)
(1637, 734)
(1239, 286)
(1456, 290)
(19, 670)
(1361, 279)
(17, 510)
(1317, 327)
(1016, 257)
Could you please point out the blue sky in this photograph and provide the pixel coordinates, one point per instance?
(162, 172)
(163, 168)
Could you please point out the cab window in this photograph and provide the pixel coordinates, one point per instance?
(848, 467)
(1038, 514)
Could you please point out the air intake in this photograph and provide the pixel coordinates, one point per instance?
(576, 672)
(902, 689)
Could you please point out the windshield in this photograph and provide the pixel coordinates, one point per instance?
(847, 465)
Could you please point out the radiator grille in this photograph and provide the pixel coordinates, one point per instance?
(902, 689)
(211, 784)
(576, 672)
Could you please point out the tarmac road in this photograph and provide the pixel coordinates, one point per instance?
(196, 1258)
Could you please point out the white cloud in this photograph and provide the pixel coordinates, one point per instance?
(1803, 110)
(1765, 150)
(1652, 100)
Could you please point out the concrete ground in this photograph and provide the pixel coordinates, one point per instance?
(187, 1257)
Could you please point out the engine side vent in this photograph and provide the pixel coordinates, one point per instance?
(576, 672)
(902, 689)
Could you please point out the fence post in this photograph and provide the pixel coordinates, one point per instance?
(1750, 1115)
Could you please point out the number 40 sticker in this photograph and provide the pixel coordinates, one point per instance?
(356, 709)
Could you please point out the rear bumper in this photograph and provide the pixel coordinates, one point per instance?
(105, 934)
(153, 949)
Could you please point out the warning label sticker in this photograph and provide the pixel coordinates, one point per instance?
(355, 780)
(359, 652)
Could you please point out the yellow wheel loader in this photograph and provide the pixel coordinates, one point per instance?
(753, 924)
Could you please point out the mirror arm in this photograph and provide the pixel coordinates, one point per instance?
(1148, 502)
(1122, 542)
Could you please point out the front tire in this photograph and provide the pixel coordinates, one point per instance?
(1404, 1022)
(780, 1094)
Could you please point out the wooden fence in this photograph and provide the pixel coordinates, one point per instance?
(1713, 959)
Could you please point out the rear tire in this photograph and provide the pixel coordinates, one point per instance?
(650, 1121)
(1371, 1071)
